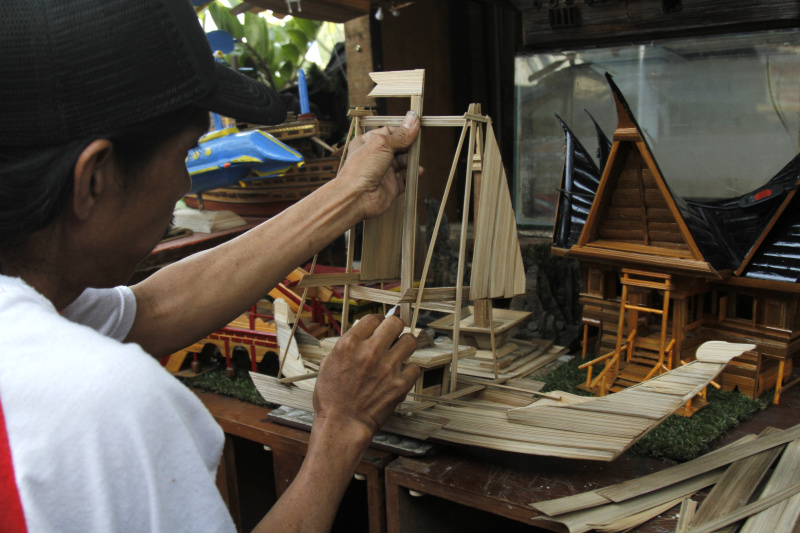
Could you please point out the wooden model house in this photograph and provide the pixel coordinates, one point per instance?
(663, 274)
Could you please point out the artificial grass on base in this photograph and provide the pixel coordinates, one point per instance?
(241, 387)
(678, 438)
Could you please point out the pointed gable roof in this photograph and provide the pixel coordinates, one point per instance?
(579, 181)
(635, 216)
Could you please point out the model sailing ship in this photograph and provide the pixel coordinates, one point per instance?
(493, 409)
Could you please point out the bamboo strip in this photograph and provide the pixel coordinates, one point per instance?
(585, 500)
(516, 389)
(462, 247)
(628, 522)
(374, 295)
(409, 223)
(355, 126)
(398, 83)
(426, 122)
(301, 377)
(489, 423)
(323, 280)
(291, 362)
(748, 510)
(433, 294)
(705, 463)
(594, 517)
(413, 408)
(783, 516)
(686, 515)
(505, 445)
(297, 319)
(737, 485)
(450, 401)
(435, 231)
(721, 352)
(565, 418)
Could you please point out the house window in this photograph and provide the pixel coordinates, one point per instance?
(741, 307)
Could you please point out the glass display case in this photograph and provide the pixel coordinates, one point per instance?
(720, 113)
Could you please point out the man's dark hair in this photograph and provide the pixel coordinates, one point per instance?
(36, 183)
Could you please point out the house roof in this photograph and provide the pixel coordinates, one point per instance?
(766, 220)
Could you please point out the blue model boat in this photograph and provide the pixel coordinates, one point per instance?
(227, 156)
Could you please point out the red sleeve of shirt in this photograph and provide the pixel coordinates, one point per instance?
(12, 518)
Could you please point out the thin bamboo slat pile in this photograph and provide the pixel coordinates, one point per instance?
(562, 426)
(735, 472)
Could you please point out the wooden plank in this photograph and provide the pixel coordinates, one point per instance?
(426, 122)
(358, 46)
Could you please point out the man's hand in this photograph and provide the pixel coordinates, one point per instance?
(365, 376)
(376, 165)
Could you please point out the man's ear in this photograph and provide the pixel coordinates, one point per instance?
(93, 174)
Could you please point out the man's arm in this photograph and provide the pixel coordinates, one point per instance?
(187, 300)
(360, 383)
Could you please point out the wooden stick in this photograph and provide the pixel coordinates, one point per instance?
(296, 319)
(355, 126)
(410, 216)
(491, 335)
(462, 250)
(458, 402)
(322, 280)
(302, 377)
(435, 231)
(508, 387)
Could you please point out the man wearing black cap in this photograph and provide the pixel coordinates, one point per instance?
(100, 101)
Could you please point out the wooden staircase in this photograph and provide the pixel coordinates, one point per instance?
(647, 351)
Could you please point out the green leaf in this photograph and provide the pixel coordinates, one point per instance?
(257, 31)
(225, 20)
(308, 27)
(298, 38)
(286, 71)
(292, 53)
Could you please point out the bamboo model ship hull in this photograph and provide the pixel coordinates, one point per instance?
(448, 404)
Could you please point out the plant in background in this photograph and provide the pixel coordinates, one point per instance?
(274, 52)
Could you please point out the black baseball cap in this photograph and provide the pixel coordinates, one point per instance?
(74, 68)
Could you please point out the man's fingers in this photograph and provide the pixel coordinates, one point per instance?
(403, 348)
(365, 327)
(411, 373)
(388, 331)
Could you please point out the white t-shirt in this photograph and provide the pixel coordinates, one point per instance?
(102, 438)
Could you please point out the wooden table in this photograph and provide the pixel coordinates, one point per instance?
(242, 473)
(459, 489)
(469, 489)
